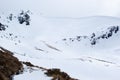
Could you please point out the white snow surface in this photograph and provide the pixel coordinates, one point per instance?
(41, 44)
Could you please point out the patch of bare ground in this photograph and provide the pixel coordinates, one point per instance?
(9, 65)
(57, 74)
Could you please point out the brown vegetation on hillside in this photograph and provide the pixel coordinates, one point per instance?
(9, 65)
(56, 74)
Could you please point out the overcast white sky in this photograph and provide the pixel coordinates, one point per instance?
(65, 8)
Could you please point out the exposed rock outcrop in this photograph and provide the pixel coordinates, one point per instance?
(24, 18)
(3, 27)
(95, 37)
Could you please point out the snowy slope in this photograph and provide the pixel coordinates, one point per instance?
(31, 73)
(42, 44)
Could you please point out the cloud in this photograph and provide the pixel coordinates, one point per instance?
(65, 8)
(70, 7)
(109, 7)
(81, 8)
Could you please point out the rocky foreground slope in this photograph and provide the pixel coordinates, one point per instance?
(11, 66)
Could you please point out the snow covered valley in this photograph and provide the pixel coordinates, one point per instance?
(85, 48)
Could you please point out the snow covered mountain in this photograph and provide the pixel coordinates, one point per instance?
(85, 48)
